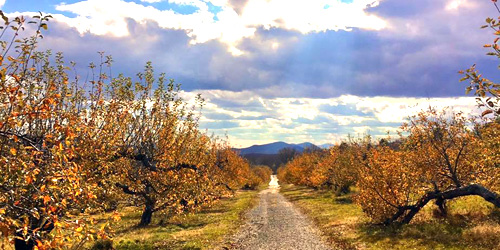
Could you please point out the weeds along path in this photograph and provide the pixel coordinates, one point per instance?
(276, 224)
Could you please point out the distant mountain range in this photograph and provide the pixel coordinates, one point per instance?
(275, 147)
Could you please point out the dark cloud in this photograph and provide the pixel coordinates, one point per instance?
(418, 55)
(407, 8)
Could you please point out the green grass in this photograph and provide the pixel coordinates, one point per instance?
(472, 223)
(209, 228)
(205, 229)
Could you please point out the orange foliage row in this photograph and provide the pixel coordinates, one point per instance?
(69, 149)
(441, 158)
(438, 156)
(333, 168)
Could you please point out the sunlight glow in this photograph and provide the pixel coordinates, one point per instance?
(456, 4)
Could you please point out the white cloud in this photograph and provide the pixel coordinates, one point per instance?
(2, 3)
(313, 16)
(393, 109)
(110, 18)
(301, 119)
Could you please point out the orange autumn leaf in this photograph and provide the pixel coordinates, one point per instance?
(46, 199)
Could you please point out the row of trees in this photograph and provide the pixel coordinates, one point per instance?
(69, 147)
(440, 159)
(439, 156)
(320, 168)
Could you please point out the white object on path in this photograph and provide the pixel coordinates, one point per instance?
(274, 182)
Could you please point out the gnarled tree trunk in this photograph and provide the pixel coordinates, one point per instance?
(406, 213)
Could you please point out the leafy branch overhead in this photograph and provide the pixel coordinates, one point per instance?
(486, 91)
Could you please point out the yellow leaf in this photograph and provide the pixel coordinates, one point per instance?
(13, 151)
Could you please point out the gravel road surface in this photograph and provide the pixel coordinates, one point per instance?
(276, 224)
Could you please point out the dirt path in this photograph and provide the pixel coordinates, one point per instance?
(276, 224)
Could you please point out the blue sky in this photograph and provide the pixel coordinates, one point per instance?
(289, 70)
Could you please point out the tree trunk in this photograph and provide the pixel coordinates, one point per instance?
(42, 225)
(342, 189)
(442, 210)
(147, 214)
(20, 244)
(408, 212)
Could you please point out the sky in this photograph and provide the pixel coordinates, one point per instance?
(285, 70)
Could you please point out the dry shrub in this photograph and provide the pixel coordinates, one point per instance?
(484, 235)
